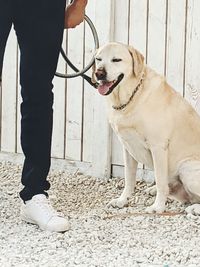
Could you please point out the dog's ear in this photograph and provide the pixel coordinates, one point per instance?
(138, 60)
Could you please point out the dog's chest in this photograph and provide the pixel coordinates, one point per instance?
(135, 143)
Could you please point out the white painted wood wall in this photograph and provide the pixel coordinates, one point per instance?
(167, 32)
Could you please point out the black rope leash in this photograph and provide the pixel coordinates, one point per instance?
(77, 71)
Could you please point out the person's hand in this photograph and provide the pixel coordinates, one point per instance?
(74, 13)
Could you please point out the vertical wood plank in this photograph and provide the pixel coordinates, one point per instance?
(192, 77)
(9, 85)
(101, 141)
(121, 22)
(121, 34)
(156, 35)
(138, 29)
(176, 44)
(74, 95)
(138, 25)
(88, 91)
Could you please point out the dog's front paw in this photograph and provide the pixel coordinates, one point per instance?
(156, 208)
(118, 203)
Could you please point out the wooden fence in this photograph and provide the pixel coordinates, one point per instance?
(167, 32)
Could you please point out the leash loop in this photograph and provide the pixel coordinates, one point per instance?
(85, 69)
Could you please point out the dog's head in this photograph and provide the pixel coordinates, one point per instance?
(114, 63)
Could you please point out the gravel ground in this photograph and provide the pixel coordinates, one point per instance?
(98, 236)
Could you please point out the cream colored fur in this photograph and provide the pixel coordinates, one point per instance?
(158, 128)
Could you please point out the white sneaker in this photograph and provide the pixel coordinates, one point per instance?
(39, 211)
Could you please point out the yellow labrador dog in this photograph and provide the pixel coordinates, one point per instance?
(155, 125)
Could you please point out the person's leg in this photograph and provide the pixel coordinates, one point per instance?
(39, 27)
(5, 26)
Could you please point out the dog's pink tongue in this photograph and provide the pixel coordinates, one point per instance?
(104, 88)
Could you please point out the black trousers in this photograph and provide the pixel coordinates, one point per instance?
(39, 28)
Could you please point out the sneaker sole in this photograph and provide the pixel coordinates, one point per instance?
(28, 220)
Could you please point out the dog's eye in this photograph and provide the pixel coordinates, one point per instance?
(116, 59)
(98, 59)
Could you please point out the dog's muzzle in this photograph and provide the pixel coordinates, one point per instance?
(106, 87)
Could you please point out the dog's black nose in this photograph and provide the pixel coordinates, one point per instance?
(101, 74)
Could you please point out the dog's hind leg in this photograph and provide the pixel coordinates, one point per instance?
(190, 176)
(130, 181)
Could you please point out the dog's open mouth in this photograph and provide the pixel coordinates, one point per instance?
(106, 87)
